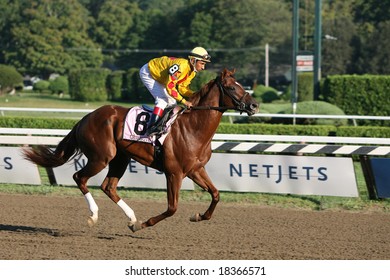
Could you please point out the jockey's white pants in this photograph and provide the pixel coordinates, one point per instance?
(159, 92)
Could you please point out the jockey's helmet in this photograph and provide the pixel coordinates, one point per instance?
(200, 54)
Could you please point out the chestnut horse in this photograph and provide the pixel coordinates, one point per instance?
(185, 151)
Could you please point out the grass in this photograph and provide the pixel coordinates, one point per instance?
(46, 100)
(319, 203)
(31, 99)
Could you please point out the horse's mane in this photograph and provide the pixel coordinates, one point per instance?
(197, 96)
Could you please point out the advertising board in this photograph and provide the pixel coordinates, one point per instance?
(15, 169)
(305, 175)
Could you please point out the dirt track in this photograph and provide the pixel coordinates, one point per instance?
(45, 227)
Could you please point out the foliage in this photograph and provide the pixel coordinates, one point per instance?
(59, 85)
(51, 37)
(317, 108)
(201, 79)
(371, 11)
(359, 95)
(114, 85)
(305, 87)
(275, 129)
(57, 36)
(27, 122)
(88, 84)
(112, 25)
(363, 131)
(133, 88)
(9, 78)
(265, 94)
(41, 85)
(253, 128)
(337, 53)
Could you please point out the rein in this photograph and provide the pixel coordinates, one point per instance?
(239, 105)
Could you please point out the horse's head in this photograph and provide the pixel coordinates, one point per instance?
(234, 95)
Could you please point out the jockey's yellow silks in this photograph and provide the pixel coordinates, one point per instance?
(175, 73)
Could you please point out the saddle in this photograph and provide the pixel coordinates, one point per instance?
(136, 124)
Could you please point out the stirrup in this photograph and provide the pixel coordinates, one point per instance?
(152, 130)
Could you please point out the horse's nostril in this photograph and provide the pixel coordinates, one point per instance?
(254, 106)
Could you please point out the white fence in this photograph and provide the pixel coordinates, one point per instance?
(232, 142)
(227, 142)
(261, 115)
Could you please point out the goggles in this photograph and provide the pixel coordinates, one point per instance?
(205, 57)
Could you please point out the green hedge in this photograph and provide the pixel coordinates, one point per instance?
(114, 85)
(41, 86)
(134, 90)
(23, 122)
(59, 85)
(88, 84)
(265, 94)
(365, 95)
(253, 128)
(305, 87)
(316, 108)
(276, 129)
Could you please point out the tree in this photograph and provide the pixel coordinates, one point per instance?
(378, 59)
(337, 54)
(9, 78)
(372, 11)
(9, 16)
(112, 27)
(234, 32)
(245, 27)
(52, 37)
(371, 51)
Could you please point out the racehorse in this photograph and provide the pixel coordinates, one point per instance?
(185, 151)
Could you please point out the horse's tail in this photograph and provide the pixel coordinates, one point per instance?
(47, 157)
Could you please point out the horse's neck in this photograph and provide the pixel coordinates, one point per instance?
(205, 122)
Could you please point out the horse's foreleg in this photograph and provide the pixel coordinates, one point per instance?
(117, 167)
(173, 188)
(201, 178)
(109, 188)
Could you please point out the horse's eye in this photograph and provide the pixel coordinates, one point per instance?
(232, 88)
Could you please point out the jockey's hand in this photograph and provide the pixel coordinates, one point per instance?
(189, 104)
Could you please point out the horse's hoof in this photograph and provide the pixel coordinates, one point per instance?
(92, 221)
(196, 218)
(135, 226)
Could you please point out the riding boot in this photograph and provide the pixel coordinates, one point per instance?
(151, 125)
(157, 113)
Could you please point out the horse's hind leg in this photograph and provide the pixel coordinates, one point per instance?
(117, 167)
(201, 178)
(81, 177)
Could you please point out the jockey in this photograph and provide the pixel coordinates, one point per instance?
(168, 79)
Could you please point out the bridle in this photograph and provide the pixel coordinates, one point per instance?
(239, 105)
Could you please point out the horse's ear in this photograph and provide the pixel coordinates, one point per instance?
(227, 73)
(223, 73)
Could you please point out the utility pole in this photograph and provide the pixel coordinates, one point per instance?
(266, 83)
(317, 49)
(295, 38)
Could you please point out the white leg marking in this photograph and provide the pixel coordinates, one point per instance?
(128, 211)
(92, 207)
